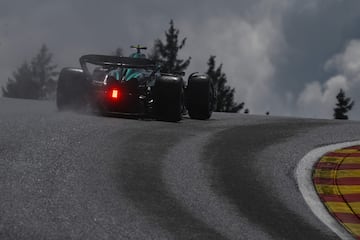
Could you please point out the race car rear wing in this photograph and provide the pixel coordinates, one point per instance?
(115, 61)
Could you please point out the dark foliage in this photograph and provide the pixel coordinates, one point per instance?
(34, 80)
(225, 94)
(22, 85)
(343, 105)
(167, 53)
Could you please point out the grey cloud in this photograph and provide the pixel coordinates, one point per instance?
(314, 30)
(318, 99)
(270, 48)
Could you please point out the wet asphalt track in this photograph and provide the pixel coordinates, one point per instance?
(77, 176)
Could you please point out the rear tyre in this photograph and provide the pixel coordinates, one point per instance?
(200, 97)
(169, 98)
(72, 90)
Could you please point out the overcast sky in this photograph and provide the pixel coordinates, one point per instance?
(289, 57)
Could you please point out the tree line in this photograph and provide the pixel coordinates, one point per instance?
(36, 80)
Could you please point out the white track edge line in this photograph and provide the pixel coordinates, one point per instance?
(303, 175)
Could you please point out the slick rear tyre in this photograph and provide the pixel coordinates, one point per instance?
(169, 99)
(200, 97)
(72, 90)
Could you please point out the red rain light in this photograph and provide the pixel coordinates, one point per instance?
(115, 94)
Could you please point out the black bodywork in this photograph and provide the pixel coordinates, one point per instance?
(133, 86)
(133, 96)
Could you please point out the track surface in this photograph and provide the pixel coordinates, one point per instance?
(77, 176)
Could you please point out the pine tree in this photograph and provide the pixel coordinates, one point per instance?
(167, 53)
(118, 52)
(44, 72)
(343, 105)
(225, 94)
(35, 80)
(22, 85)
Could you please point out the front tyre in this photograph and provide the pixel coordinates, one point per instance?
(200, 97)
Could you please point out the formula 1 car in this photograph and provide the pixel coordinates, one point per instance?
(134, 85)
